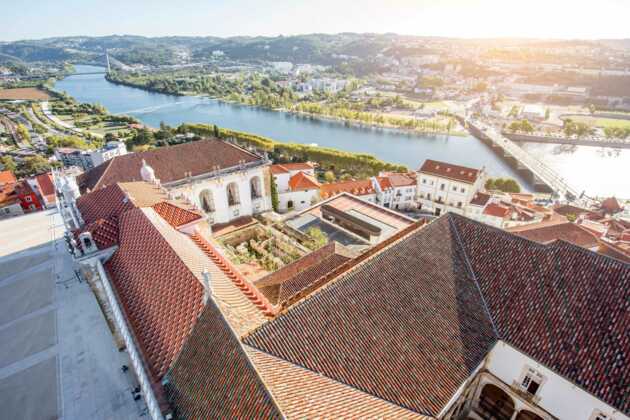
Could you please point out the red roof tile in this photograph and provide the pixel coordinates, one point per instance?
(46, 186)
(170, 164)
(7, 177)
(448, 170)
(496, 210)
(161, 297)
(175, 215)
(412, 322)
(302, 181)
(213, 378)
(569, 232)
(104, 232)
(355, 187)
(480, 199)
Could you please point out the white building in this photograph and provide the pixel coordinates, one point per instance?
(443, 187)
(533, 112)
(109, 151)
(296, 185)
(221, 179)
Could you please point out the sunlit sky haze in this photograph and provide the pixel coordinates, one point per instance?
(570, 19)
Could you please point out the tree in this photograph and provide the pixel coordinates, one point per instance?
(592, 108)
(23, 133)
(318, 238)
(275, 202)
(34, 165)
(329, 176)
(215, 129)
(547, 114)
(8, 163)
(503, 184)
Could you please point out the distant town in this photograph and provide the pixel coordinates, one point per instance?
(204, 271)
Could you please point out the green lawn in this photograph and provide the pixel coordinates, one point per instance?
(602, 122)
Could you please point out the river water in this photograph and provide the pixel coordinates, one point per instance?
(587, 168)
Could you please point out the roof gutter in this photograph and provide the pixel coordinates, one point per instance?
(136, 359)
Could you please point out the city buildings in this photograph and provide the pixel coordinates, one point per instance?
(296, 185)
(88, 159)
(445, 187)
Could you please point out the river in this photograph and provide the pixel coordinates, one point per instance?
(585, 167)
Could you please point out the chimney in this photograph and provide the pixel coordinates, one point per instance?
(206, 285)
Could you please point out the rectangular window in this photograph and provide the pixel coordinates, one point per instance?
(531, 381)
(28, 199)
(424, 181)
(442, 187)
(463, 190)
(454, 188)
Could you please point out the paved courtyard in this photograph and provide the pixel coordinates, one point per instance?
(58, 359)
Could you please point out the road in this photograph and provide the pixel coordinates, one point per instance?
(58, 359)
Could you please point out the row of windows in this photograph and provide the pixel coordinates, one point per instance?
(443, 186)
(206, 198)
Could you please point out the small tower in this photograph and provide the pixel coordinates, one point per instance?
(147, 173)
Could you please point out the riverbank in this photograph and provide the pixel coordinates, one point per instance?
(350, 122)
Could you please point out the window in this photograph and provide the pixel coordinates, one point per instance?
(255, 187)
(207, 201)
(455, 188)
(428, 196)
(232, 194)
(424, 180)
(531, 381)
(28, 198)
(459, 204)
(463, 190)
(442, 187)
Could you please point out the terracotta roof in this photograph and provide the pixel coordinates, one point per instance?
(568, 209)
(480, 199)
(8, 194)
(213, 378)
(282, 284)
(302, 181)
(347, 202)
(303, 394)
(401, 179)
(105, 203)
(104, 232)
(170, 164)
(411, 323)
(175, 215)
(568, 232)
(161, 297)
(7, 177)
(283, 168)
(448, 170)
(356, 187)
(46, 186)
(496, 210)
(611, 205)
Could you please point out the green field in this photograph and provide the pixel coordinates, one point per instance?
(603, 122)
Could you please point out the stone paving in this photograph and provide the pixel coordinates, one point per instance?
(58, 359)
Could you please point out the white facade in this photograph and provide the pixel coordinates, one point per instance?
(294, 200)
(228, 196)
(111, 150)
(439, 194)
(556, 395)
(11, 210)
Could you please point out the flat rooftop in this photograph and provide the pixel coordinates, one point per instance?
(58, 358)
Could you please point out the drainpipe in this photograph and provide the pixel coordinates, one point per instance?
(136, 360)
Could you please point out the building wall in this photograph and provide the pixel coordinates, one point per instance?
(556, 395)
(224, 213)
(11, 210)
(301, 199)
(455, 196)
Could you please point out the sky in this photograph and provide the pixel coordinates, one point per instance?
(569, 19)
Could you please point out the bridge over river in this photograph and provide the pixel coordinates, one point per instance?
(543, 177)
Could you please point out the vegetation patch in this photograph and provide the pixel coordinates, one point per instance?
(27, 94)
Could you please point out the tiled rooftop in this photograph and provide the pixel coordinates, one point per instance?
(569, 232)
(302, 181)
(170, 164)
(409, 324)
(448, 170)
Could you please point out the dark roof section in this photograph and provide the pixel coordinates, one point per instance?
(568, 232)
(160, 296)
(295, 277)
(105, 203)
(170, 164)
(410, 324)
(448, 170)
(407, 325)
(213, 379)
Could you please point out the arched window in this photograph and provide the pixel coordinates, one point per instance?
(232, 194)
(496, 403)
(206, 201)
(527, 415)
(255, 187)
